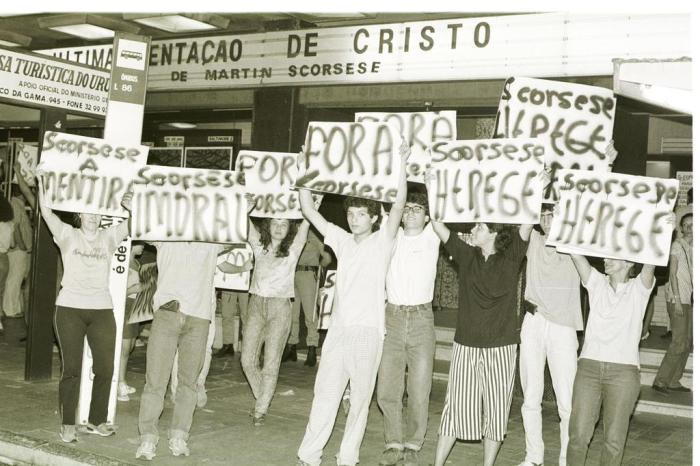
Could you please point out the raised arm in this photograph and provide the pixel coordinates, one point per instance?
(308, 208)
(582, 267)
(525, 230)
(396, 212)
(52, 221)
(438, 227)
(24, 187)
(647, 275)
(610, 154)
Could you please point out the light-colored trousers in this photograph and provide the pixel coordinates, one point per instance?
(349, 354)
(202, 378)
(233, 303)
(540, 341)
(12, 302)
(305, 285)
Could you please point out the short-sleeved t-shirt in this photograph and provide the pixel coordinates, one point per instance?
(615, 321)
(360, 279)
(86, 262)
(273, 277)
(488, 314)
(411, 277)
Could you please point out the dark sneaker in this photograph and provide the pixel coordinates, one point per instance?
(103, 430)
(310, 356)
(390, 457)
(679, 388)
(660, 389)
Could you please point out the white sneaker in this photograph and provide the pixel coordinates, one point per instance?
(178, 446)
(126, 388)
(123, 392)
(147, 450)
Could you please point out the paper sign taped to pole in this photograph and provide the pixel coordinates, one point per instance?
(487, 180)
(614, 215)
(26, 156)
(88, 175)
(351, 159)
(188, 204)
(574, 120)
(233, 268)
(326, 296)
(420, 130)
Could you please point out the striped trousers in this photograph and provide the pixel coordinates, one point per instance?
(479, 392)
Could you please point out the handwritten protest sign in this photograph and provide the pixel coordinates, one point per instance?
(486, 180)
(574, 120)
(270, 176)
(326, 295)
(614, 215)
(26, 156)
(88, 175)
(420, 130)
(188, 204)
(352, 159)
(239, 256)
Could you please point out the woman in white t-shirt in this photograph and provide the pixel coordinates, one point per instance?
(84, 308)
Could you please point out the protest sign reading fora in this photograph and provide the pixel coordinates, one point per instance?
(270, 176)
(614, 215)
(188, 204)
(575, 121)
(241, 255)
(486, 180)
(351, 159)
(88, 175)
(26, 156)
(420, 130)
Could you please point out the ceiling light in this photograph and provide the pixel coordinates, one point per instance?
(87, 26)
(13, 39)
(180, 125)
(177, 23)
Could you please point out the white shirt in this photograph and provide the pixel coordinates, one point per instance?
(411, 277)
(615, 322)
(186, 274)
(360, 280)
(273, 277)
(553, 284)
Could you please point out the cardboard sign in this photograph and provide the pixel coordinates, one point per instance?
(575, 122)
(88, 175)
(352, 159)
(188, 204)
(487, 180)
(420, 130)
(26, 156)
(326, 296)
(237, 256)
(686, 182)
(614, 215)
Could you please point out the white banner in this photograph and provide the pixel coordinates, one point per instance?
(352, 159)
(270, 176)
(420, 130)
(492, 47)
(575, 121)
(487, 180)
(326, 297)
(26, 156)
(88, 175)
(614, 215)
(239, 256)
(188, 204)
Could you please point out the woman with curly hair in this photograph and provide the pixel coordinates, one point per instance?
(277, 245)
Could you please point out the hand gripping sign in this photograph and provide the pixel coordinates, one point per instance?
(420, 130)
(574, 120)
(486, 180)
(88, 175)
(188, 204)
(351, 159)
(614, 215)
(233, 268)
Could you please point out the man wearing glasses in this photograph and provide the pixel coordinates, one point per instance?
(410, 334)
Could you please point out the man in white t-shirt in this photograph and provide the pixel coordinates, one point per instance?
(353, 346)
(410, 334)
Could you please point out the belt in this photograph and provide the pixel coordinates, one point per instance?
(307, 268)
(408, 307)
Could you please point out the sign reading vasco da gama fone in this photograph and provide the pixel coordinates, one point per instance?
(614, 215)
(188, 204)
(351, 159)
(486, 180)
(575, 121)
(88, 175)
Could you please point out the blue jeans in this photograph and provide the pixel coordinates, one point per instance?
(171, 332)
(616, 386)
(409, 342)
(268, 321)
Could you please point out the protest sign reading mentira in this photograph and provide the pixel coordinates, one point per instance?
(352, 159)
(575, 121)
(420, 130)
(238, 256)
(614, 215)
(486, 180)
(270, 176)
(88, 175)
(188, 204)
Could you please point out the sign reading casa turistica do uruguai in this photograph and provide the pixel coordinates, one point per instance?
(188, 204)
(351, 159)
(575, 121)
(487, 180)
(614, 215)
(88, 175)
